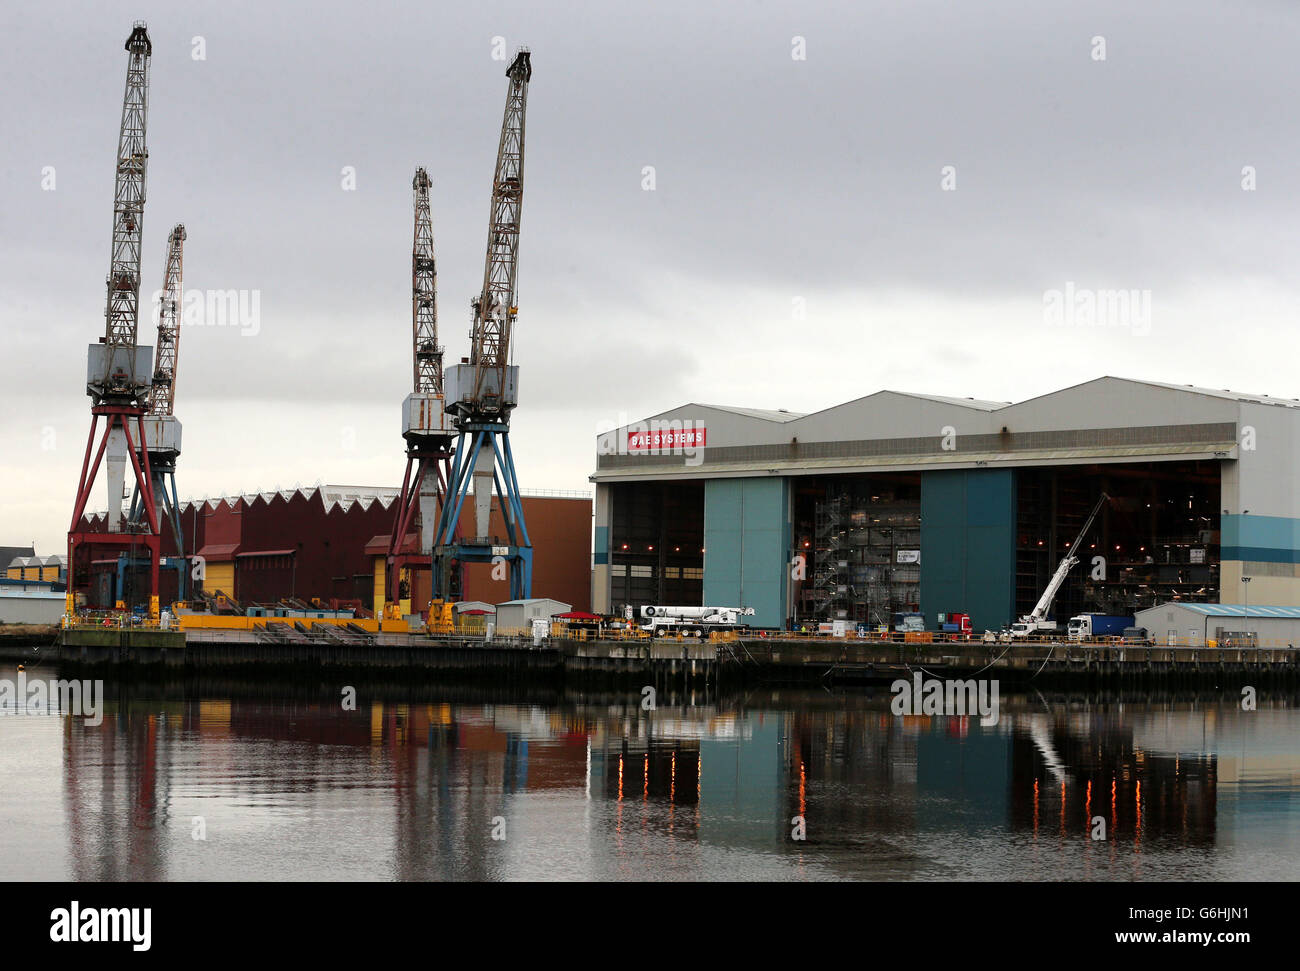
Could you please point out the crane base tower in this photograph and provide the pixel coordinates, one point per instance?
(428, 435)
(117, 433)
(483, 460)
(423, 465)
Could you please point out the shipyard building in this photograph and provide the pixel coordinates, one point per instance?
(897, 502)
(328, 544)
(31, 587)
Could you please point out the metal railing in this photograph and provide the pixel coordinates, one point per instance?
(113, 620)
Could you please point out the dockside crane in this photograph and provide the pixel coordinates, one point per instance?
(1036, 619)
(118, 368)
(483, 389)
(426, 426)
(162, 429)
(162, 391)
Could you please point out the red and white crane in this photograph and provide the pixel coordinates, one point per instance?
(118, 370)
(425, 423)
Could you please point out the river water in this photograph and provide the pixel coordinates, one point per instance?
(266, 781)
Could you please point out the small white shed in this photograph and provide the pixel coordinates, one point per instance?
(520, 614)
(1195, 625)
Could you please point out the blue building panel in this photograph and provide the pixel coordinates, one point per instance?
(968, 544)
(746, 544)
(1262, 539)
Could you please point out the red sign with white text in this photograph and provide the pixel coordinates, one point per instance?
(666, 439)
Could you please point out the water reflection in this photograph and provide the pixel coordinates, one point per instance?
(1086, 775)
(420, 785)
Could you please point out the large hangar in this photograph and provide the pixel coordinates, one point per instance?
(902, 501)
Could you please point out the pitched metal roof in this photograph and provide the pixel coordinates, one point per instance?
(9, 553)
(964, 402)
(766, 414)
(1224, 393)
(218, 551)
(985, 405)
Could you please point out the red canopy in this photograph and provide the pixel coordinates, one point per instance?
(578, 615)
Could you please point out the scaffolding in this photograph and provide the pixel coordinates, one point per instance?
(866, 561)
(829, 584)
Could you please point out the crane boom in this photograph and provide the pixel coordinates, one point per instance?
(424, 293)
(162, 394)
(115, 374)
(1044, 604)
(497, 305)
(483, 390)
(118, 370)
(160, 445)
(425, 425)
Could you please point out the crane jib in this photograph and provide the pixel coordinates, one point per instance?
(163, 389)
(117, 372)
(426, 351)
(483, 389)
(491, 390)
(1044, 605)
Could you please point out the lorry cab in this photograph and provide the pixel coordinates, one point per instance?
(955, 623)
(1083, 626)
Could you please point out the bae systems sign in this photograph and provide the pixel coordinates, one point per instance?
(656, 436)
(667, 439)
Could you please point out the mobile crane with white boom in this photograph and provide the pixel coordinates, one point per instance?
(1036, 621)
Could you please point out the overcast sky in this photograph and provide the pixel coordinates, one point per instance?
(804, 242)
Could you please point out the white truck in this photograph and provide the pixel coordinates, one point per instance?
(691, 620)
(1085, 626)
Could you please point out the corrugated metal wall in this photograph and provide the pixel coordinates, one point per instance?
(968, 545)
(746, 545)
(328, 557)
(560, 530)
(220, 577)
